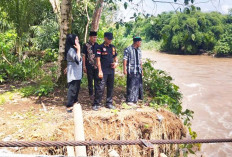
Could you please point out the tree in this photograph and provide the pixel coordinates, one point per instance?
(23, 14)
(56, 8)
(97, 15)
(87, 24)
(65, 28)
(189, 32)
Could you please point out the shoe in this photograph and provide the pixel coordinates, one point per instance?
(131, 104)
(69, 109)
(110, 106)
(95, 107)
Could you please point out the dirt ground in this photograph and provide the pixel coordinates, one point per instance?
(46, 119)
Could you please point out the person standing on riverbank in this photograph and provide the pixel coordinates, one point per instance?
(107, 62)
(74, 69)
(89, 62)
(132, 68)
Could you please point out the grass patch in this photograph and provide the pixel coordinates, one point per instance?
(2, 100)
(43, 88)
(27, 91)
(6, 96)
(151, 45)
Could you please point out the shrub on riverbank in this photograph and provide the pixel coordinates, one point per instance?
(158, 85)
(224, 45)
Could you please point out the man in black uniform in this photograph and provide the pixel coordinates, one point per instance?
(89, 62)
(106, 57)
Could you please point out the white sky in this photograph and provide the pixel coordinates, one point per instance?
(150, 7)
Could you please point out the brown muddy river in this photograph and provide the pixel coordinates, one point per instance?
(206, 85)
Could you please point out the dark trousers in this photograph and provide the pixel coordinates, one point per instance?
(134, 87)
(108, 80)
(92, 76)
(73, 91)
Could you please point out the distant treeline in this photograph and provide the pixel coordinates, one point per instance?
(187, 32)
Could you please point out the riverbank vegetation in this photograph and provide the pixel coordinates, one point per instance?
(190, 31)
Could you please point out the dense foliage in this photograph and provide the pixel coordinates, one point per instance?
(188, 32)
(224, 46)
(158, 84)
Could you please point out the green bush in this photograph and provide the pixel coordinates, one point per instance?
(7, 41)
(43, 88)
(46, 85)
(51, 55)
(223, 48)
(159, 86)
(15, 70)
(10, 67)
(28, 91)
(224, 45)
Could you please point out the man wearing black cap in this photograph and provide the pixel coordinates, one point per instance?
(89, 61)
(106, 62)
(132, 66)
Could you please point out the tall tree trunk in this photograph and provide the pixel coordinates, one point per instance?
(18, 46)
(56, 9)
(65, 28)
(18, 31)
(97, 15)
(87, 25)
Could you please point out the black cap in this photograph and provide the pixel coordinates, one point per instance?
(108, 35)
(137, 38)
(92, 33)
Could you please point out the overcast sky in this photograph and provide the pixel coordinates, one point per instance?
(150, 7)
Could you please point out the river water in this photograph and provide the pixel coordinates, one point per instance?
(206, 85)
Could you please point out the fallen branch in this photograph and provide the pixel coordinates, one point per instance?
(4, 57)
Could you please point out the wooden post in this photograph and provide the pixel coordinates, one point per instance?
(70, 151)
(79, 130)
